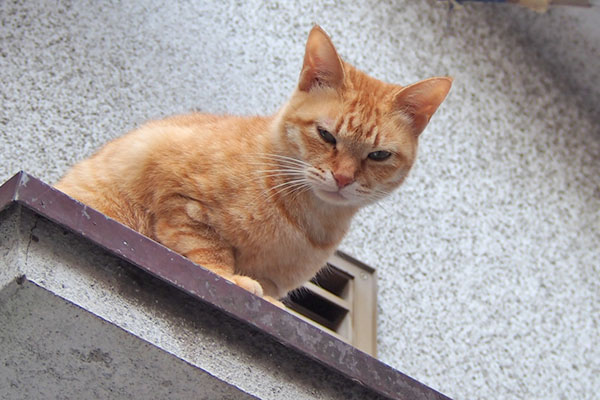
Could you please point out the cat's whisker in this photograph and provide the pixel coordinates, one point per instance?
(274, 164)
(284, 160)
(269, 174)
(291, 191)
(292, 177)
(271, 167)
(275, 160)
(274, 173)
(286, 175)
(296, 193)
(288, 188)
(378, 204)
(377, 196)
(280, 189)
(373, 196)
(283, 192)
(291, 182)
(283, 171)
(279, 156)
(305, 189)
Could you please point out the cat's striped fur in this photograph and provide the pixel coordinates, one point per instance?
(264, 201)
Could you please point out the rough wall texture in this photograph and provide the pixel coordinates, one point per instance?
(52, 349)
(78, 323)
(487, 257)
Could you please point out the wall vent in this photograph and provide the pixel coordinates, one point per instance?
(342, 300)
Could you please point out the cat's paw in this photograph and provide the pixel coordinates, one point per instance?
(249, 284)
(274, 301)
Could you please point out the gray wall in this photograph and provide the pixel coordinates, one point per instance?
(79, 323)
(487, 257)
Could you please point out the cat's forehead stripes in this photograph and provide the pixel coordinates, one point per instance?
(360, 120)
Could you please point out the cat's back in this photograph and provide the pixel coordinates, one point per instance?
(127, 174)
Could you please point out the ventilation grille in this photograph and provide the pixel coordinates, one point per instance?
(341, 299)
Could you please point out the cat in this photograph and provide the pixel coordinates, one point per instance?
(264, 201)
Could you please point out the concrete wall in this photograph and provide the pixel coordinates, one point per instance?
(488, 256)
(79, 323)
(52, 349)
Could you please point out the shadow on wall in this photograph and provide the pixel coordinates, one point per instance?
(551, 101)
(565, 43)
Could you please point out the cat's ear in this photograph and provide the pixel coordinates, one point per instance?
(322, 66)
(420, 100)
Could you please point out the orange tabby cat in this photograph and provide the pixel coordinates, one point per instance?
(264, 201)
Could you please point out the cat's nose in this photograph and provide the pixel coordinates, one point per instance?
(342, 180)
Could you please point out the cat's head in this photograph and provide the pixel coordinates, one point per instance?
(353, 138)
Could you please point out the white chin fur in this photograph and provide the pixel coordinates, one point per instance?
(338, 198)
(326, 189)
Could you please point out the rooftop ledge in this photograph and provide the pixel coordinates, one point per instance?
(87, 301)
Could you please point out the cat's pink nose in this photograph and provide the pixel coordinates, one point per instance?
(342, 180)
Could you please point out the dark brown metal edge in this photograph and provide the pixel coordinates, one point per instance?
(210, 288)
(8, 190)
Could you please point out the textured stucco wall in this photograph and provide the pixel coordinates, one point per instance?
(78, 323)
(488, 256)
(52, 349)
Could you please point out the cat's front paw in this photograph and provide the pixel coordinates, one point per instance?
(249, 284)
(274, 301)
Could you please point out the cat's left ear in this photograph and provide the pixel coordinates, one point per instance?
(420, 100)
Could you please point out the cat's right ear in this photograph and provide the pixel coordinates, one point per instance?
(322, 66)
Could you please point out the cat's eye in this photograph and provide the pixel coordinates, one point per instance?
(379, 155)
(326, 136)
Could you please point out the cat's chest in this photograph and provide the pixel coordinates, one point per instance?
(284, 233)
(285, 262)
(285, 251)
